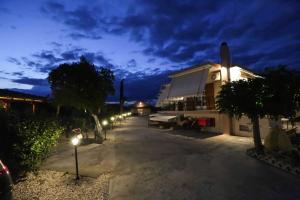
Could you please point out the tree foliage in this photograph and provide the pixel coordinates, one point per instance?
(81, 85)
(244, 97)
(282, 87)
(277, 94)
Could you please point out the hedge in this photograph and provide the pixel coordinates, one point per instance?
(35, 139)
(25, 142)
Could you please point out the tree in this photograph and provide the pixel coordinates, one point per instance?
(83, 86)
(282, 88)
(244, 97)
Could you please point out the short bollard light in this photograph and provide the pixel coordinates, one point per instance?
(104, 123)
(79, 136)
(112, 119)
(75, 142)
(120, 119)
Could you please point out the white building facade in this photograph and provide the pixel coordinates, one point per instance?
(193, 91)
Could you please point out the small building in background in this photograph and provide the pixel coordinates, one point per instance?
(141, 108)
(12, 100)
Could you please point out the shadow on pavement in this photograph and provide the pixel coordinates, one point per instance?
(194, 133)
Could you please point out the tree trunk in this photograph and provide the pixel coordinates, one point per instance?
(256, 135)
(57, 110)
(98, 128)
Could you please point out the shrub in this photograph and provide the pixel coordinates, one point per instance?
(34, 140)
(284, 143)
(278, 140)
(271, 140)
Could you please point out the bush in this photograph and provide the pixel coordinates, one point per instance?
(284, 143)
(26, 141)
(271, 140)
(35, 138)
(278, 140)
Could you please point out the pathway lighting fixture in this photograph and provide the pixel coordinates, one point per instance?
(104, 123)
(79, 136)
(75, 141)
(124, 116)
(112, 119)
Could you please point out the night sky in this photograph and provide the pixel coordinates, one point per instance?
(141, 40)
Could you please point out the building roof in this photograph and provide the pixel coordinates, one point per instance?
(206, 65)
(13, 95)
(192, 68)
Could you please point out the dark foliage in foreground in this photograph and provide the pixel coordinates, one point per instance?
(25, 142)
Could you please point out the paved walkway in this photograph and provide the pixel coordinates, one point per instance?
(150, 163)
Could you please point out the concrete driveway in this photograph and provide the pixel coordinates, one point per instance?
(151, 163)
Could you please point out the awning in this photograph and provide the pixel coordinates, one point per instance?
(186, 85)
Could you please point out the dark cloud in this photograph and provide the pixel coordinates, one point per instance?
(4, 72)
(139, 86)
(47, 56)
(13, 60)
(56, 44)
(47, 60)
(132, 63)
(151, 60)
(17, 73)
(84, 22)
(35, 90)
(32, 81)
(98, 59)
(39, 86)
(71, 55)
(184, 32)
(77, 36)
(190, 31)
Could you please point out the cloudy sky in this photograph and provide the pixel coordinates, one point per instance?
(141, 40)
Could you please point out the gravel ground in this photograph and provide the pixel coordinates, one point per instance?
(58, 185)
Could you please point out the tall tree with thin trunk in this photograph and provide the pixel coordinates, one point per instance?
(244, 97)
(82, 85)
(122, 97)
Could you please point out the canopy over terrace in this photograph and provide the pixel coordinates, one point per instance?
(188, 83)
(187, 89)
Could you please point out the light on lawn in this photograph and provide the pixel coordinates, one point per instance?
(112, 119)
(104, 122)
(75, 141)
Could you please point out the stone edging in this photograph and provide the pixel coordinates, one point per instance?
(271, 160)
